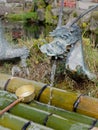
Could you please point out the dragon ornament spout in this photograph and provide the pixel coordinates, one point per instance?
(69, 36)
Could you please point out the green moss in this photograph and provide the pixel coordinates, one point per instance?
(41, 2)
(96, 31)
(75, 14)
(91, 54)
(48, 15)
(22, 16)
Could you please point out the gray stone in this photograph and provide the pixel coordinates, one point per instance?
(8, 52)
(41, 14)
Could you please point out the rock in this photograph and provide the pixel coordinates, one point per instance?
(41, 14)
(55, 11)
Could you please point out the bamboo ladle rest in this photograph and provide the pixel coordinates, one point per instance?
(24, 93)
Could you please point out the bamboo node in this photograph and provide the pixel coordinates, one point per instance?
(46, 119)
(26, 125)
(41, 91)
(6, 84)
(93, 124)
(76, 103)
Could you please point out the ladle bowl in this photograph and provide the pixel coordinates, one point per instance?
(26, 92)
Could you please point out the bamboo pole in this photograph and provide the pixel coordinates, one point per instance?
(39, 116)
(60, 98)
(17, 123)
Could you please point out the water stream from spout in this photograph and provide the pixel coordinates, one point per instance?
(53, 71)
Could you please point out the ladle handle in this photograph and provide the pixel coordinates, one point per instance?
(10, 106)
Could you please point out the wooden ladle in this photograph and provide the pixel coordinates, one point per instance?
(24, 93)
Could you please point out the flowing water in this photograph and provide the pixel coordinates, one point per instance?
(52, 79)
(53, 71)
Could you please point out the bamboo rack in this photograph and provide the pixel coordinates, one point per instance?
(39, 116)
(60, 98)
(7, 97)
